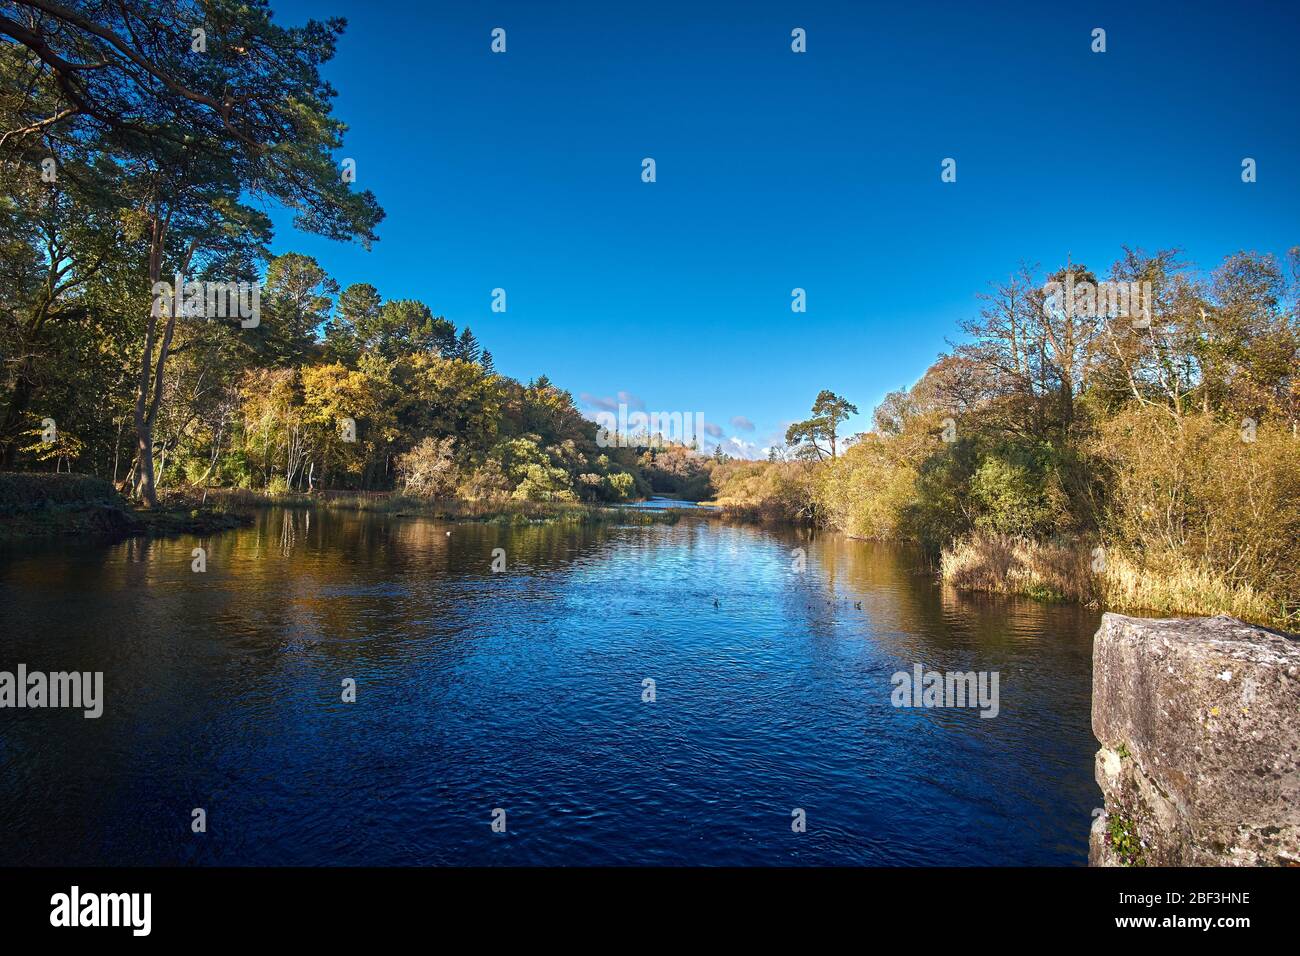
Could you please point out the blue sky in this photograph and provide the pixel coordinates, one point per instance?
(779, 170)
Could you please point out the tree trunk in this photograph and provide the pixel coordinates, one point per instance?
(148, 395)
(117, 451)
(144, 481)
(216, 455)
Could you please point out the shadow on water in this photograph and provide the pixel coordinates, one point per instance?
(523, 690)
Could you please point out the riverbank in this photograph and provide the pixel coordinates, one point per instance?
(43, 505)
(506, 512)
(1106, 578)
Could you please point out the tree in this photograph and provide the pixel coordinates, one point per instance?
(351, 419)
(467, 348)
(405, 325)
(197, 132)
(828, 411)
(356, 311)
(296, 301)
(832, 409)
(57, 238)
(447, 397)
(1159, 365)
(1248, 340)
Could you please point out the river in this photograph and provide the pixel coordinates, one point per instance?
(524, 691)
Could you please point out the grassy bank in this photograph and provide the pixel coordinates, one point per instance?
(44, 505)
(1065, 570)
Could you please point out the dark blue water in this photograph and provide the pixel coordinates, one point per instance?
(523, 691)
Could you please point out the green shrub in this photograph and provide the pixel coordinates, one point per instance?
(1010, 491)
(28, 491)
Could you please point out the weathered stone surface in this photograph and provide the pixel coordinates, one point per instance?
(1199, 722)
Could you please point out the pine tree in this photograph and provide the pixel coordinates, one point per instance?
(486, 362)
(203, 142)
(467, 347)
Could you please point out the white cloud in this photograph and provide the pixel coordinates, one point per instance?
(744, 449)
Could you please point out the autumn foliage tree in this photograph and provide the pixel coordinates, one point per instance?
(201, 107)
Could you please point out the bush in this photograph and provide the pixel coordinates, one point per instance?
(28, 491)
(1197, 520)
(429, 469)
(866, 493)
(1195, 500)
(541, 482)
(619, 486)
(488, 482)
(766, 491)
(1013, 492)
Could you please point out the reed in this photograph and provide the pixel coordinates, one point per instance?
(1109, 578)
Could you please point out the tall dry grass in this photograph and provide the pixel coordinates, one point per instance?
(1175, 586)
(1163, 584)
(1004, 564)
